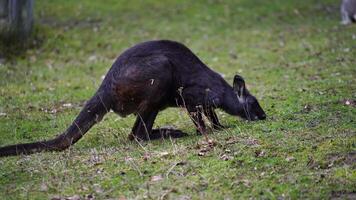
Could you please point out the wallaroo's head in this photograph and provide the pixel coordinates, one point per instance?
(251, 109)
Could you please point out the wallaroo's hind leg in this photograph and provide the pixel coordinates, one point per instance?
(143, 125)
(213, 118)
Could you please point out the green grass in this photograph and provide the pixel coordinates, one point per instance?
(294, 56)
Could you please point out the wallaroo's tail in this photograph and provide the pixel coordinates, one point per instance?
(93, 112)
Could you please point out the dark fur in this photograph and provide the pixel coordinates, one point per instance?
(146, 79)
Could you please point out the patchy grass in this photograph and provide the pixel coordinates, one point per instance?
(294, 55)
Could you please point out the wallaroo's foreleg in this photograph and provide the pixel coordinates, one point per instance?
(213, 118)
(197, 118)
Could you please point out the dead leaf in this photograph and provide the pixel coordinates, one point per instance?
(252, 142)
(156, 178)
(163, 154)
(244, 182)
(225, 157)
(68, 105)
(184, 197)
(54, 111)
(290, 158)
(75, 197)
(43, 187)
(349, 102)
(231, 140)
(146, 156)
(92, 58)
(259, 153)
(205, 146)
(99, 170)
(307, 108)
(95, 159)
(201, 153)
(128, 158)
(212, 143)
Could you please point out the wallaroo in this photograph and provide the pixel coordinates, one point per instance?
(146, 79)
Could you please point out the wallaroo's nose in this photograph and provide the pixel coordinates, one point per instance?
(263, 117)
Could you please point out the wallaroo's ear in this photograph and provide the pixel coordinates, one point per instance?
(239, 85)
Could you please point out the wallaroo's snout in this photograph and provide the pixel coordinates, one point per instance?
(263, 116)
(255, 116)
(259, 112)
(260, 117)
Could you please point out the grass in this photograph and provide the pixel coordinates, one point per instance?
(294, 56)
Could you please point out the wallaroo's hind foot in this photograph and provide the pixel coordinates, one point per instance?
(159, 134)
(166, 133)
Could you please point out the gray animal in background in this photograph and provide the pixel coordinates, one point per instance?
(348, 11)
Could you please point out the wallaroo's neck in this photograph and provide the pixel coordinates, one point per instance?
(230, 103)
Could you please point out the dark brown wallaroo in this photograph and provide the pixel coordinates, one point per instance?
(146, 79)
